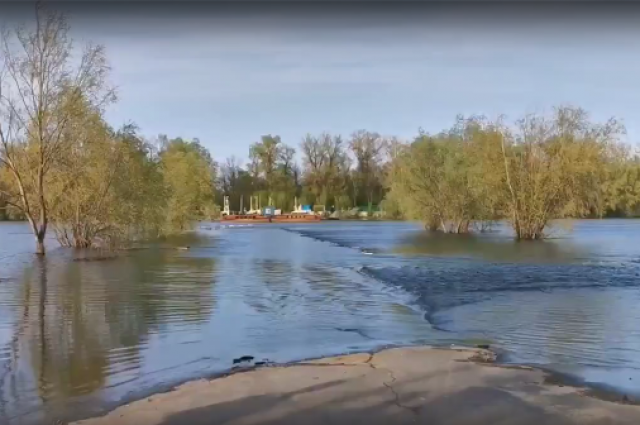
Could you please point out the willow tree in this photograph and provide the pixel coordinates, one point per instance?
(393, 203)
(80, 196)
(39, 75)
(552, 167)
(109, 190)
(414, 180)
(616, 183)
(449, 200)
(481, 148)
(447, 180)
(189, 175)
(4, 206)
(619, 194)
(140, 193)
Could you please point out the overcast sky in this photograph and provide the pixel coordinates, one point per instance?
(228, 75)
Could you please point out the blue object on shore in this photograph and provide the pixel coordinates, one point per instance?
(307, 208)
(269, 211)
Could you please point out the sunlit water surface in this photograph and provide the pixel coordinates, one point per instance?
(79, 337)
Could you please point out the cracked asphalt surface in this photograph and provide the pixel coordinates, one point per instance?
(397, 386)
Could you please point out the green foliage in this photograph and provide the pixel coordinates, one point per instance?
(63, 166)
(540, 170)
(272, 175)
(189, 174)
(109, 188)
(42, 85)
(115, 190)
(342, 202)
(445, 180)
(556, 168)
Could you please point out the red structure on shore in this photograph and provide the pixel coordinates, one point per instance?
(282, 218)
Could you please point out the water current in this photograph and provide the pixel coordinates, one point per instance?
(81, 333)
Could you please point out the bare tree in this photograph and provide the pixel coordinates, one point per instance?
(313, 162)
(323, 159)
(41, 82)
(287, 160)
(368, 149)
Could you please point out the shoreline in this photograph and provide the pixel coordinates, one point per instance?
(599, 391)
(457, 374)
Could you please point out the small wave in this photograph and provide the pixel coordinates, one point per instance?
(320, 238)
(234, 226)
(341, 242)
(440, 286)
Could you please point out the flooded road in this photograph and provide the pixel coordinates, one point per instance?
(79, 336)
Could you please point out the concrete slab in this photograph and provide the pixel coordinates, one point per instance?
(397, 386)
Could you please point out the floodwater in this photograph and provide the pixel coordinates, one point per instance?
(80, 335)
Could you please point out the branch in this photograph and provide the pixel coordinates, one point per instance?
(13, 204)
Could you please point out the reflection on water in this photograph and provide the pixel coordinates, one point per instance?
(592, 333)
(495, 246)
(80, 326)
(571, 303)
(81, 332)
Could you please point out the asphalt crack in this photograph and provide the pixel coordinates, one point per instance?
(389, 386)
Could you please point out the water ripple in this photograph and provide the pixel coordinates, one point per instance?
(78, 337)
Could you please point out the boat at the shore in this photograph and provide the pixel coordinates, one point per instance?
(269, 214)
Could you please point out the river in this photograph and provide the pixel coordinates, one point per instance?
(78, 337)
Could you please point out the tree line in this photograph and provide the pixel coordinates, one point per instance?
(463, 179)
(333, 172)
(66, 171)
(531, 172)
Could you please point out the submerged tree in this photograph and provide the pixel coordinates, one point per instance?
(40, 84)
(553, 167)
(447, 180)
(110, 191)
(544, 169)
(80, 196)
(189, 173)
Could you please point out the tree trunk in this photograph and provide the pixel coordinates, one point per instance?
(40, 245)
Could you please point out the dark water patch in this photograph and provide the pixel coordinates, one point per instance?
(438, 286)
(497, 246)
(320, 237)
(74, 320)
(95, 258)
(367, 237)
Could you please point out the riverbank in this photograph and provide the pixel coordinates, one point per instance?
(399, 386)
